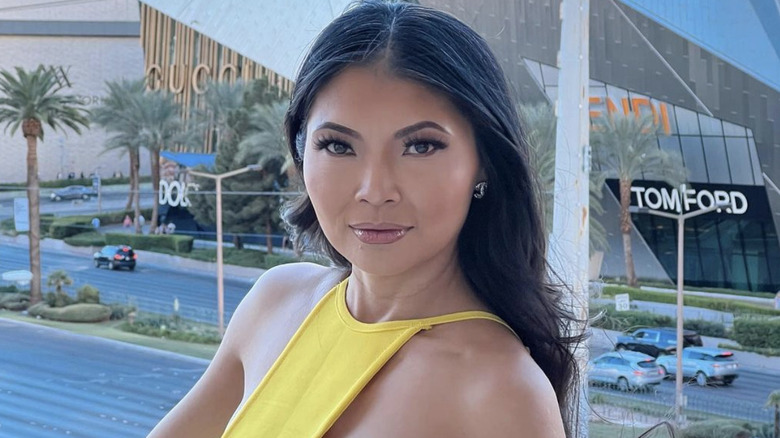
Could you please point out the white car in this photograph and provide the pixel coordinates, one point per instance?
(704, 364)
(626, 370)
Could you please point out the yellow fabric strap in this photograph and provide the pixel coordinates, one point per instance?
(326, 364)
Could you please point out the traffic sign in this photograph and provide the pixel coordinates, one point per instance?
(622, 302)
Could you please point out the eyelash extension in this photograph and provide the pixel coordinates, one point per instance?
(436, 143)
(322, 142)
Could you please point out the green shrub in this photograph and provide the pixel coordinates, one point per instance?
(67, 226)
(90, 238)
(170, 327)
(706, 328)
(14, 301)
(72, 313)
(720, 304)
(54, 299)
(174, 242)
(11, 288)
(757, 332)
(120, 311)
(88, 294)
(628, 320)
(715, 429)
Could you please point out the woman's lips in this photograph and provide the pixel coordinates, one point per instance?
(379, 236)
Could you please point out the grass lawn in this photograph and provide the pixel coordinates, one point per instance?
(108, 330)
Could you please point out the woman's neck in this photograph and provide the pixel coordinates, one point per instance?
(419, 292)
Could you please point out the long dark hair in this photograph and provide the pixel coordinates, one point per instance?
(502, 244)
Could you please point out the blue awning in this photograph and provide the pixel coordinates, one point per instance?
(189, 159)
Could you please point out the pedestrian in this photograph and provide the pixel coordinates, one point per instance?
(127, 222)
(170, 228)
(95, 223)
(439, 318)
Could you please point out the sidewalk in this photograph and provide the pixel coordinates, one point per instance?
(670, 310)
(751, 361)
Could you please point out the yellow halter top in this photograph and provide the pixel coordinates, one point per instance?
(326, 364)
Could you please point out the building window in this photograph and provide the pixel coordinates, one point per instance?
(693, 155)
(739, 161)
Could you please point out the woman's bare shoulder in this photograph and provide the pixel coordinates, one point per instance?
(292, 284)
(512, 393)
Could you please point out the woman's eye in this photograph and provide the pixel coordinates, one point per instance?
(422, 148)
(334, 147)
(337, 148)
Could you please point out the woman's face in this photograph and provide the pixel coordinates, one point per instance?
(390, 168)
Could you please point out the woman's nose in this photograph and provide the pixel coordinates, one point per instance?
(378, 185)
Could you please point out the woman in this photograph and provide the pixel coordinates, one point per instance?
(438, 319)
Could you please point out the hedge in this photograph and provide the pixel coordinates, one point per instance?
(59, 183)
(90, 238)
(14, 301)
(633, 319)
(72, 313)
(757, 332)
(175, 242)
(720, 304)
(67, 226)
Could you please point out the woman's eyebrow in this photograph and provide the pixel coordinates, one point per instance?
(340, 128)
(418, 126)
(403, 132)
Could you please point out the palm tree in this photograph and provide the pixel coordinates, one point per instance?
(29, 99)
(774, 401)
(539, 123)
(59, 279)
(220, 100)
(626, 148)
(161, 126)
(116, 115)
(265, 140)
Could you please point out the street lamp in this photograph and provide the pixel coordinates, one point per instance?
(680, 218)
(220, 277)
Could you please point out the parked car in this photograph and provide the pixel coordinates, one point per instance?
(704, 364)
(625, 370)
(72, 192)
(656, 341)
(115, 257)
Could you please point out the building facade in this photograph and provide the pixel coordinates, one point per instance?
(87, 43)
(709, 73)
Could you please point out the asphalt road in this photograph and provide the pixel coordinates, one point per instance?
(744, 399)
(58, 384)
(109, 201)
(150, 287)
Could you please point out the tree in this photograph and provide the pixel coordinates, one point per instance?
(28, 100)
(220, 100)
(161, 125)
(58, 280)
(538, 122)
(256, 131)
(625, 147)
(773, 401)
(116, 115)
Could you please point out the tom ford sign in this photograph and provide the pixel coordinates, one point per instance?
(742, 201)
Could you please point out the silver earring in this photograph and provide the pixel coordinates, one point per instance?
(479, 190)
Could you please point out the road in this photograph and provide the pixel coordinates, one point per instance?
(109, 201)
(744, 399)
(151, 288)
(56, 384)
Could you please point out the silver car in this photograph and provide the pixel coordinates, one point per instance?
(704, 364)
(626, 370)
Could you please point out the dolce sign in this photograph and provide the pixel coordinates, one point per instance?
(174, 193)
(687, 199)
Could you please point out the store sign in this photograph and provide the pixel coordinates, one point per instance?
(174, 193)
(687, 199)
(176, 78)
(742, 201)
(637, 105)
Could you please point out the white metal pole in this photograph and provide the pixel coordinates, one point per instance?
(569, 241)
(678, 377)
(220, 279)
